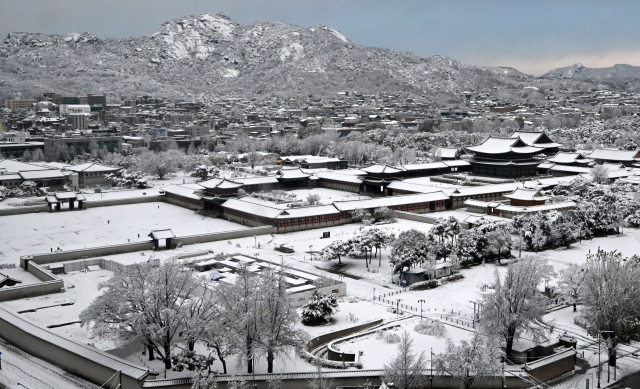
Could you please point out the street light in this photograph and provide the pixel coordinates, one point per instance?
(421, 301)
(599, 366)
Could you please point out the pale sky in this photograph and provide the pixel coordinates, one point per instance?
(532, 36)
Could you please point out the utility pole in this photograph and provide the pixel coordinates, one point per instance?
(431, 365)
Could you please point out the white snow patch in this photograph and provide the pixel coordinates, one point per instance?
(73, 37)
(230, 73)
(339, 35)
(294, 50)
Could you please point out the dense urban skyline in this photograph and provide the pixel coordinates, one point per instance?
(533, 37)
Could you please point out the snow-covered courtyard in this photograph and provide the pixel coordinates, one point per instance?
(42, 232)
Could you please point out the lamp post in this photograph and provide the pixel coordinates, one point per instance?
(599, 367)
(311, 251)
(398, 307)
(421, 301)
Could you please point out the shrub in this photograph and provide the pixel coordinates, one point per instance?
(432, 328)
(422, 285)
(391, 337)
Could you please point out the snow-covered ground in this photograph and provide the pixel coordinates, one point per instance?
(22, 370)
(41, 232)
(55, 309)
(84, 228)
(327, 196)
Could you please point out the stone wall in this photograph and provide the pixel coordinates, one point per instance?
(50, 284)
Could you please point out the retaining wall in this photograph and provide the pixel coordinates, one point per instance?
(347, 378)
(125, 201)
(50, 284)
(422, 218)
(70, 255)
(225, 235)
(300, 299)
(76, 358)
(23, 210)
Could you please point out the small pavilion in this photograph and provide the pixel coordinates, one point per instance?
(55, 200)
(162, 236)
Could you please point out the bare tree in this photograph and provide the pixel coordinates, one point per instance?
(570, 284)
(407, 369)
(277, 318)
(469, 361)
(515, 303)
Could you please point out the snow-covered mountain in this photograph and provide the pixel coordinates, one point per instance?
(204, 55)
(614, 74)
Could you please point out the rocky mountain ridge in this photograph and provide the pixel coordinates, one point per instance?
(206, 55)
(620, 73)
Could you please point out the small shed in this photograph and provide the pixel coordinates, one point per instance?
(162, 239)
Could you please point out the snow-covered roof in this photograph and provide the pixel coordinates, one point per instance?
(16, 166)
(485, 189)
(92, 167)
(291, 173)
(381, 168)
(537, 139)
(456, 163)
(526, 195)
(256, 180)
(41, 174)
(424, 166)
(564, 157)
(255, 207)
(8, 177)
(613, 154)
(570, 169)
(350, 205)
(520, 208)
(495, 145)
(184, 190)
(162, 234)
(546, 165)
(338, 177)
(308, 211)
(411, 187)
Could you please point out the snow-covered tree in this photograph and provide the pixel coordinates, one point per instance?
(313, 199)
(570, 284)
(159, 164)
(319, 308)
(600, 174)
(384, 214)
(611, 297)
(337, 248)
(407, 369)
(144, 304)
(469, 361)
(499, 241)
(515, 302)
(408, 249)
